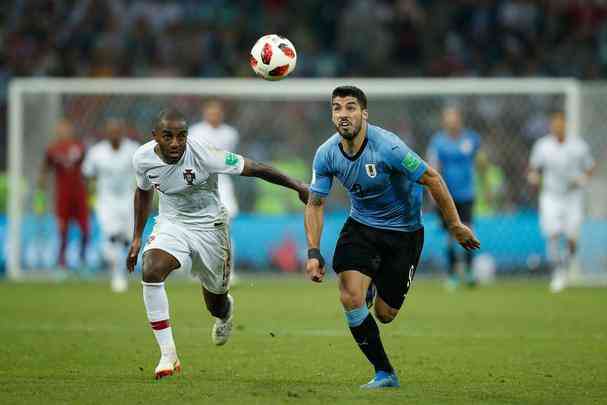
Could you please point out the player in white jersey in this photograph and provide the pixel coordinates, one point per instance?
(221, 136)
(108, 163)
(563, 166)
(213, 130)
(191, 230)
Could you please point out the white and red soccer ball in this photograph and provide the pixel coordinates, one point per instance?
(273, 57)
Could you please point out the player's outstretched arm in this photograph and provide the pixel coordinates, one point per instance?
(273, 175)
(313, 221)
(438, 189)
(142, 202)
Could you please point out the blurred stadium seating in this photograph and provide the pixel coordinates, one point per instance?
(397, 38)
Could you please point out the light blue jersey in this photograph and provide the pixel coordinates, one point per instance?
(381, 179)
(456, 160)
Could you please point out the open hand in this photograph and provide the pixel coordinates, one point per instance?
(131, 258)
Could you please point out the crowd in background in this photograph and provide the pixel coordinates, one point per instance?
(399, 38)
(211, 38)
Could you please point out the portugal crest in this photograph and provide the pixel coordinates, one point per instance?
(189, 176)
(371, 171)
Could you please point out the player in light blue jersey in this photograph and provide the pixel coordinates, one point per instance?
(454, 151)
(381, 242)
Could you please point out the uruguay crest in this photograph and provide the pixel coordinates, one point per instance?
(371, 171)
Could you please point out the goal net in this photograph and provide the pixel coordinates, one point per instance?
(283, 123)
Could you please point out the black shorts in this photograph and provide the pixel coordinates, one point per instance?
(389, 257)
(464, 209)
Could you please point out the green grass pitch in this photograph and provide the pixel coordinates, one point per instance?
(77, 343)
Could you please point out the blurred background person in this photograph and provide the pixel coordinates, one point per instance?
(454, 151)
(108, 167)
(561, 165)
(217, 133)
(64, 157)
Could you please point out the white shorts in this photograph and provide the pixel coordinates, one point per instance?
(205, 253)
(561, 215)
(115, 222)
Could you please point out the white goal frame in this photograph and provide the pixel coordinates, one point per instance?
(290, 89)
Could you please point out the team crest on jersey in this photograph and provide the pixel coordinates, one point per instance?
(371, 170)
(189, 176)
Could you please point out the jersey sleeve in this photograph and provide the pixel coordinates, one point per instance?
(400, 158)
(89, 167)
(536, 160)
(322, 178)
(143, 182)
(218, 160)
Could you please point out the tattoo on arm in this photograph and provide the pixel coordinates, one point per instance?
(313, 219)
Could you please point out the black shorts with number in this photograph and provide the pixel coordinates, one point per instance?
(464, 210)
(389, 257)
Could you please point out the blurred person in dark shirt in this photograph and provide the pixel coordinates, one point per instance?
(64, 157)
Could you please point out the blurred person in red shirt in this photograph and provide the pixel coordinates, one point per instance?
(64, 157)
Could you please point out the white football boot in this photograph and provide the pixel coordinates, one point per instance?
(559, 281)
(167, 366)
(119, 284)
(223, 328)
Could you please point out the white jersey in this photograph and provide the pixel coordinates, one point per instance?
(188, 188)
(114, 172)
(223, 137)
(560, 163)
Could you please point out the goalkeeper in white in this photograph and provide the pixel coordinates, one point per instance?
(192, 229)
(562, 165)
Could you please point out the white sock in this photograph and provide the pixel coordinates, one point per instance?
(555, 255)
(116, 255)
(157, 307)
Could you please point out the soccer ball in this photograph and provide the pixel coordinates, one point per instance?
(273, 57)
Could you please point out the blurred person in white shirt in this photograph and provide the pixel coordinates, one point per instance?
(109, 164)
(220, 135)
(561, 166)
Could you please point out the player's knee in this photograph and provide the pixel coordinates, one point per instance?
(351, 300)
(152, 272)
(385, 316)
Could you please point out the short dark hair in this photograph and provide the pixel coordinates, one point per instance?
(353, 91)
(170, 114)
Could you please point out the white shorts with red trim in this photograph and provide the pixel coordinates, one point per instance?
(205, 253)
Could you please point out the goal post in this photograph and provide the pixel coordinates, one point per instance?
(413, 104)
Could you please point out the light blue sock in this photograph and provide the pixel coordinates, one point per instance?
(356, 316)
